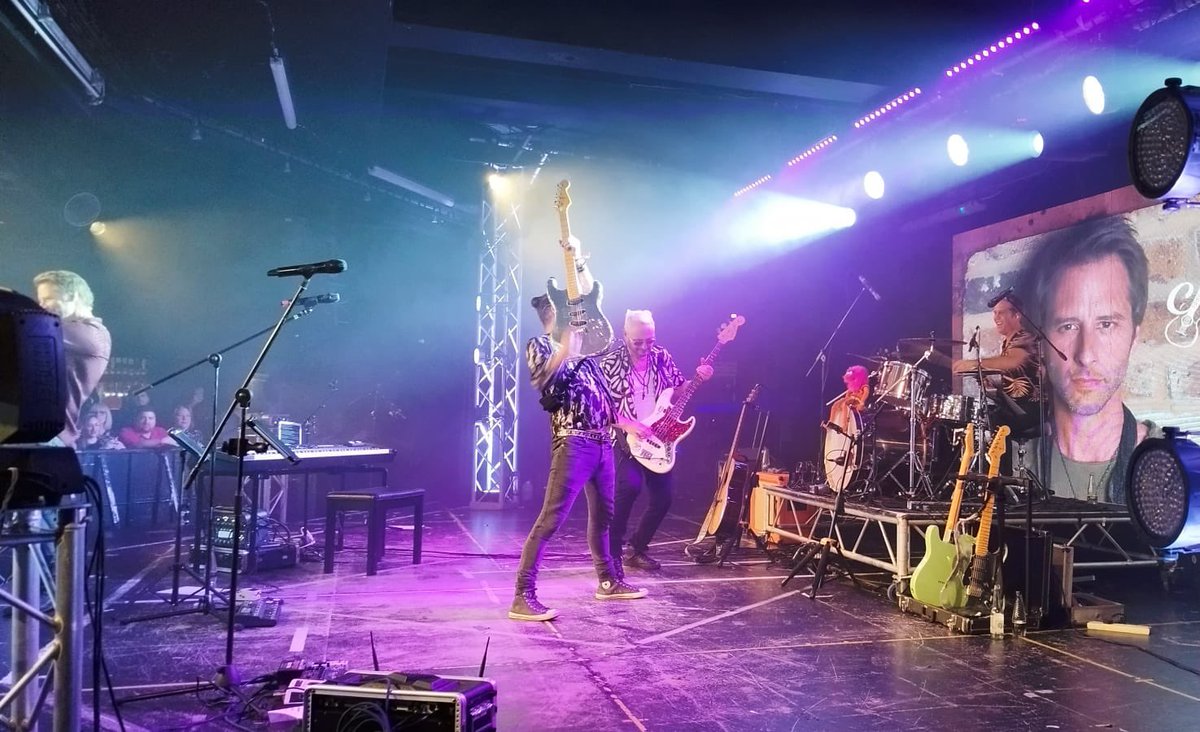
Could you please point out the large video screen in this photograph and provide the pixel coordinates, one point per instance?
(1115, 282)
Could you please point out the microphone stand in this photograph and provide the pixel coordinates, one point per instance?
(1043, 445)
(206, 591)
(227, 675)
(823, 359)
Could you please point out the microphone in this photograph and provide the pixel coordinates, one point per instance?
(993, 302)
(867, 285)
(308, 302)
(974, 344)
(332, 266)
(835, 428)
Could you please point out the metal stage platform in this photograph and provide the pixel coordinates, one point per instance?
(880, 533)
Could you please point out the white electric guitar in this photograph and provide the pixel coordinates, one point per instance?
(657, 452)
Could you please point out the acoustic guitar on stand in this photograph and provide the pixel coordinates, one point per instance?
(657, 452)
(716, 512)
(580, 311)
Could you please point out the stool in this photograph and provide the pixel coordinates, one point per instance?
(378, 506)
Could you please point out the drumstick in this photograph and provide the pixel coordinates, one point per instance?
(839, 396)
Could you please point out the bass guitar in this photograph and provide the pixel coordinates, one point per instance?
(579, 311)
(657, 452)
(937, 580)
(983, 566)
(716, 512)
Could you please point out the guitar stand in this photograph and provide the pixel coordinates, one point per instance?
(821, 551)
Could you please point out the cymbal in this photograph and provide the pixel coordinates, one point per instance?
(935, 341)
(872, 359)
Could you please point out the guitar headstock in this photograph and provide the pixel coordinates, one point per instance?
(729, 331)
(997, 449)
(753, 395)
(562, 199)
(969, 439)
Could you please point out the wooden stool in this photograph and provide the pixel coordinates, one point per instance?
(377, 506)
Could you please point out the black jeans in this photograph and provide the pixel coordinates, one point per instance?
(632, 477)
(576, 464)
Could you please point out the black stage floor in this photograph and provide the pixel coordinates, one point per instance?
(710, 649)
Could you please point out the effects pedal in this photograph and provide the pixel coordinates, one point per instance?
(260, 613)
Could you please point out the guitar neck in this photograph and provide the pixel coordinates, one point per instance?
(682, 400)
(963, 465)
(564, 226)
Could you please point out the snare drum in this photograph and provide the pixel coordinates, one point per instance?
(900, 383)
(950, 408)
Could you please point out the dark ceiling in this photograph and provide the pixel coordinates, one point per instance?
(438, 91)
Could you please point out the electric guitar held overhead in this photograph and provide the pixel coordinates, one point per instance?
(937, 580)
(575, 310)
(657, 452)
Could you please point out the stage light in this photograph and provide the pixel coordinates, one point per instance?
(1038, 143)
(777, 219)
(957, 149)
(1163, 491)
(283, 91)
(97, 228)
(498, 184)
(873, 184)
(389, 176)
(1093, 95)
(1164, 149)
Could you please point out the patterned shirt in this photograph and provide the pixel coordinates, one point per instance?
(1022, 383)
(588, 405)
(662, 374)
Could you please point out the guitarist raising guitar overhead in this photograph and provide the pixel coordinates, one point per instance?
(638, 374)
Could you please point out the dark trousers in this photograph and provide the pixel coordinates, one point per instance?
(576, 464)
(632, 478)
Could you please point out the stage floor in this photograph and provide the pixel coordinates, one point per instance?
(710, 649)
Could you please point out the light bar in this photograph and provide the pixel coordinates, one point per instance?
(38, 15)
(907, 96)
(989, 52)
(751, 186)
(279, 71)
(813, 150)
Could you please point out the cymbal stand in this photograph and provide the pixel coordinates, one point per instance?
(918, 476)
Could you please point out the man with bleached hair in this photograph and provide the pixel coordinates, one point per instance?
(637, 374)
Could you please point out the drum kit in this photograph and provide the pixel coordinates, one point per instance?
(903, 441)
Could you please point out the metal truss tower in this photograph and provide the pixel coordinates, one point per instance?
(498, 355)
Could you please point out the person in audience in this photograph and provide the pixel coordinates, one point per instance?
(145, 431)
(94, 437)
(182, 421)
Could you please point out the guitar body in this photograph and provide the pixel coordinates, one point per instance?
(657, 453)
(583, 313)
(937, 580)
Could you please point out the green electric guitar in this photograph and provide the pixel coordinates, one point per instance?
(937, 580)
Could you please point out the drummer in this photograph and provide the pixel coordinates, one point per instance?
(854, 398)
(1017, 367)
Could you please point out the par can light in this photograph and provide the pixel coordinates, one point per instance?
(1164, 491)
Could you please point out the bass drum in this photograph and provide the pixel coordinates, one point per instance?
(842, 451)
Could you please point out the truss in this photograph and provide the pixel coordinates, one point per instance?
(497, 356)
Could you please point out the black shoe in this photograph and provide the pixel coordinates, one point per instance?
(642, 560)
(618, 590)
(527, 607)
